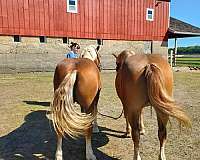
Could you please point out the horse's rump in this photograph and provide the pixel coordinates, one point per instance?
(142, 80)
(75, 80)
(159, 97)
(149, 79)
(84, 67)
(66, 119)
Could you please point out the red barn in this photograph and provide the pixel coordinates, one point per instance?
(141, 24)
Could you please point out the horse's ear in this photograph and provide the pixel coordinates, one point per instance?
(114, 54)
(98, 48)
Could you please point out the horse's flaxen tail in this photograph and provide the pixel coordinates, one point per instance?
(159, 97)
(66, 120)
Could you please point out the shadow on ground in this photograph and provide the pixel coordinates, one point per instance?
(35, 139)
(37, 103)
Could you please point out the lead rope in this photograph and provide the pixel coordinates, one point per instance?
(115, 118)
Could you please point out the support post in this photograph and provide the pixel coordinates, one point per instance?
(171, 57)
(175, 52)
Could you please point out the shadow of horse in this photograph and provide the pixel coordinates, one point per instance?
(113, 133)
(37, 103)
(36, 139)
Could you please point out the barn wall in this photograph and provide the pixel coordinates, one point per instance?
(105, 19)
(31, 55)
(160, 47)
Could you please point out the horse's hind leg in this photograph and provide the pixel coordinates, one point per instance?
(162, 134)
(95, 128)
(58, 155)
(88, 135)
(141, 125)
(134, 122)
(128, 128)
(142, 130)
(89, 152)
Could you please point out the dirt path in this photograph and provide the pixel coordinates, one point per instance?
(26, 134)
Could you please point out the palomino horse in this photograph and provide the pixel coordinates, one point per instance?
(76, 80)
(142, 80)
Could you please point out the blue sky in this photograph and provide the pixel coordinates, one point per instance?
(187, 11)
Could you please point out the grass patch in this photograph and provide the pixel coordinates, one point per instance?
(187, 61)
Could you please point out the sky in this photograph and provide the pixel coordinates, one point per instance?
(187, 11)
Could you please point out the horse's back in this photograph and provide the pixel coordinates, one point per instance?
(139, 61)
(136, 65)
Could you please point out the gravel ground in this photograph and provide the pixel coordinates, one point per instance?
(26, 134)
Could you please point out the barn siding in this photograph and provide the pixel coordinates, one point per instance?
(105, 19)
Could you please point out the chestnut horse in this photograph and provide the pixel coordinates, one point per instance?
(142, 80)
(76, 80)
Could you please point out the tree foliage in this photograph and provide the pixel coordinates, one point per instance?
(187, 50)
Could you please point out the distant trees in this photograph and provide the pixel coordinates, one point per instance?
(187, 50)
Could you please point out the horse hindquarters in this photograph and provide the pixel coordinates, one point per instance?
(158, 95)
(65, 119)
(163, 103)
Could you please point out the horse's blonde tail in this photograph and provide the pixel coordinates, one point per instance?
(159, 98)
(66, 120)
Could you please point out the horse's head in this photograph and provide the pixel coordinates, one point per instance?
(91, 52)
(122, 57)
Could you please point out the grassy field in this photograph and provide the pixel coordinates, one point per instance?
(188, 60)
(26, 134)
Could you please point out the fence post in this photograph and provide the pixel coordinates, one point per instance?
(171, 57)
(175, 52)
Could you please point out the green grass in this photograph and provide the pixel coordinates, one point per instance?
(188, 61)
(188, 58)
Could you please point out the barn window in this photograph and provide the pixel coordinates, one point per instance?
(100, 41)
(72, 6)
(66, 40)
(150, 14)
(17, 38)
(43, 39)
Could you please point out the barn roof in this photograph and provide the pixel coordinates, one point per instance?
(180, 29)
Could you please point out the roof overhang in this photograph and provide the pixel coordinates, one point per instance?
(177, 34)
(180, 29)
